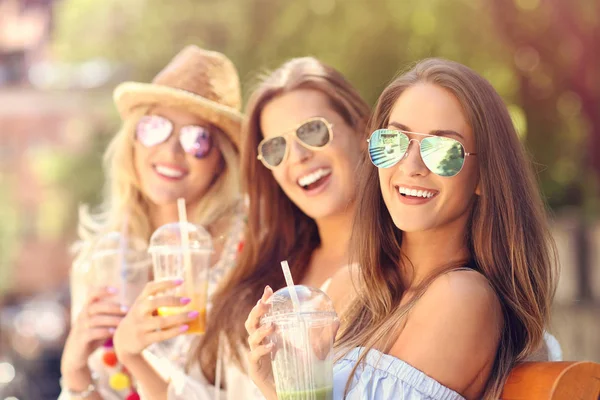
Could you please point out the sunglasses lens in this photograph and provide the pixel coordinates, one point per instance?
(387, 147)
(195, 140)
(273, 151)
(152, 130)
(442, 155)
(314, 133)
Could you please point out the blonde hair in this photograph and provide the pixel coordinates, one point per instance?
(123, 194)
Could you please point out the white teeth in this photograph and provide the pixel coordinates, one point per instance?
(313, 177)
(169, 172)
(415, 193)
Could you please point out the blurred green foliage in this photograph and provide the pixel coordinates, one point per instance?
(532, 51)
(8, 231)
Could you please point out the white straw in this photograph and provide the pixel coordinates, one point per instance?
(219, 367)
(185, 244)
(290, 283)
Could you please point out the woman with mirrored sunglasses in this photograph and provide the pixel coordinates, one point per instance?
(302, 141)
(457, 264)
(179, 139)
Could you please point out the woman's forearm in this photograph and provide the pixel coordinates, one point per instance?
(79, 381)
(153, 384)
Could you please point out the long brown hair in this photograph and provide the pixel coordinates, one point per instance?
(276, 228)
(507, 232)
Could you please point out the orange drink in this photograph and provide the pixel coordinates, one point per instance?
(183, 251)
(198, 303)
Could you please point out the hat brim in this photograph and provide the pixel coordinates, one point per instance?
(131, 95)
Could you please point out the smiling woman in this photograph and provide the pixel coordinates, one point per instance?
(165, 170)
(448, 304)
(306, 125)
(178, 139)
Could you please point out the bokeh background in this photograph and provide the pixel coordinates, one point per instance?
(61, 59)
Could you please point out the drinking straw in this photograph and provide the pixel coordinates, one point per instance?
(185, 244)
(290, 284)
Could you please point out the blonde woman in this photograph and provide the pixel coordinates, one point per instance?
(179, 138)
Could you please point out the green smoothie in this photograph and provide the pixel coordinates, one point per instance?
(325, 393)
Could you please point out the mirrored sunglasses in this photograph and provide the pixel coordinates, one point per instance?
(442, 155)
(153, 130)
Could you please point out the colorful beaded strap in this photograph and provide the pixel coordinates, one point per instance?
(119, 379)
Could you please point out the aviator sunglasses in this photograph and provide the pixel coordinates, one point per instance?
(442, 155)
(152, 130)
(313, 134)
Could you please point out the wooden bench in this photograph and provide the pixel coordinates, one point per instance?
(574, 380)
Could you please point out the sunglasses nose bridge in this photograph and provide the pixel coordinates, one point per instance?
(296, 149)
(409, 147)
(412, 162)
(173, 142)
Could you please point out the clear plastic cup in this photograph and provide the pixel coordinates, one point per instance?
(302, 356)
(168, 260)
(120, 262)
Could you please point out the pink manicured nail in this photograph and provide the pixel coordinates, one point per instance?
(111, 290)
(111, 330)
(184, 328)
(267, 290)
(178, 281)
(124, 309)
(193, 314)
(185, 300)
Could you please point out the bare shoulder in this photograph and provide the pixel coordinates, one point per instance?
(342, 286)
(453, 331)
(460, 288)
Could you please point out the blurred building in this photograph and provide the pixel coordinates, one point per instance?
(45, 116)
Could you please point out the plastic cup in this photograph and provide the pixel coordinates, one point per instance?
(302, 356)
(120, 262)
(168, 260)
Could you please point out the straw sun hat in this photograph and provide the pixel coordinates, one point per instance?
(199, 81)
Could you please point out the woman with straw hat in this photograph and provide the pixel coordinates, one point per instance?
(179, 139)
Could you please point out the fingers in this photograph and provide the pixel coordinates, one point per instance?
(100, 293)
(104, 321)
(257, 337)
(106, 307)
(155, 287)
(159, 336)
(153, 303)
(95, 334)
(167, 322)
(100, 311)
(258, 311)
(259, 352)
(267, 293)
